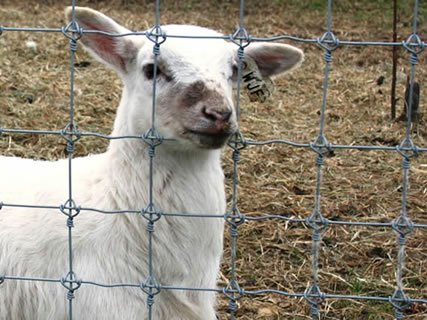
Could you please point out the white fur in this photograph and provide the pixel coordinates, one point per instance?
(113, 248)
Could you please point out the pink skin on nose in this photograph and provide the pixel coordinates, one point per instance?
(219, 118)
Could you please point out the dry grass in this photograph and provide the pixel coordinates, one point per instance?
(275, 179)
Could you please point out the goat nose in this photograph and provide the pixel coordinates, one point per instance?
(217, 115)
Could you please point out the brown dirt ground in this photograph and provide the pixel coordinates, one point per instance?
(273, 179)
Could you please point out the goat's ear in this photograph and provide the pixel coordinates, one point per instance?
(273, 59)
(117, 52)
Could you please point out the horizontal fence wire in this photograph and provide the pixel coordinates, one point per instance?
(227, 37)
(402, 225)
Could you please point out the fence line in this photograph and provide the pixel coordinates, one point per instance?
(402, 225)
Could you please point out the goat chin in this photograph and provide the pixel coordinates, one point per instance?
(193, 91)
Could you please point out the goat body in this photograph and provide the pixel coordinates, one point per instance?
(194, 106)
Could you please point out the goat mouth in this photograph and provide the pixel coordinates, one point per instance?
(209, 140)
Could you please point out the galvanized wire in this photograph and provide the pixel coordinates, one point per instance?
(402, 225)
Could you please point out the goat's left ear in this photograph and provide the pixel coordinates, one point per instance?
(273, 58)
(116, 52)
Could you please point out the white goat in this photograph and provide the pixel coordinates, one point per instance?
(195, 108)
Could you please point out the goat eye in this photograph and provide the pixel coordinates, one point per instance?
(148, 70)
(234, 71)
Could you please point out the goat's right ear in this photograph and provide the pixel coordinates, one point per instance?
(116, 52)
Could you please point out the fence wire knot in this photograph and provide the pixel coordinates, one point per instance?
(70, 223)
(1, 279)
(321, 146)
(242, 39)
(399, 300)
(231, 289)
(68, 208)
(70, 295)
(407, 149)
(241, 53)
(403, 226)
(236, 155)
(150, 287)
(234, 217)
(73, 45)
(232, 305)
(72, 31)
(153, 139)
(70, 147)
(1, 29)
(413, 59)
(328, 42)
(69, 280)
(1, 205)
(237, 142)
(316, 221)
(156, 49)
(71, 134)
(316, 235)
(319, 160)
(328, 56)
(414, 44)
(314, 296)
(154, 34)
(406, 163)
(151, 214)
(150, 300)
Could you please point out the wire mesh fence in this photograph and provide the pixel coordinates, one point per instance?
(402, 225)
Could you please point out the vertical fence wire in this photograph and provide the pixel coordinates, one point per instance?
(234, 218)
(402, 225)
(150, 286)
(320, 146)
(69, 133)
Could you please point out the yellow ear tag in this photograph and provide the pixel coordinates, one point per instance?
(258, 88)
